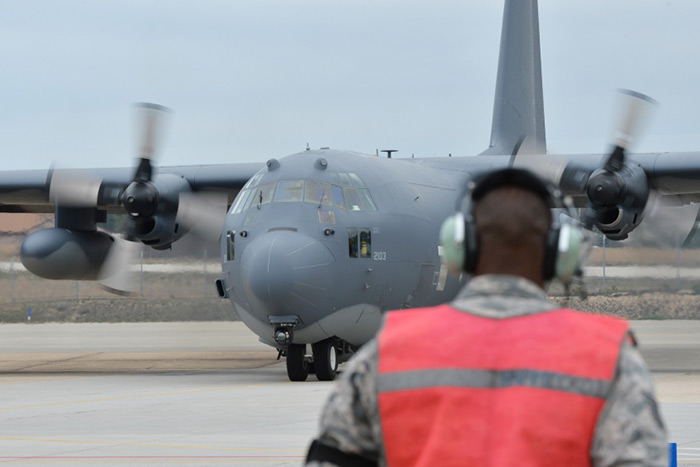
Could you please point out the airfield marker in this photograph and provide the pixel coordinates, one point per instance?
(672, 455)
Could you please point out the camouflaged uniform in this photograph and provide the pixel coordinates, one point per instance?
(629, 430)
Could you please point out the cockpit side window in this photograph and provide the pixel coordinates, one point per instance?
(366, 198)
(264, 193)
(359, 199)
(253, 182)
(251, 201)
(359, 246)
(352, 199)
(355, 180)
(340, 178)
(365, 243)
(240, 202)
(290, 191)
(353, 244)
(230, 244)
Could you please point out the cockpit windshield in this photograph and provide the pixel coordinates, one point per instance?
(346, 191)
(318, 192)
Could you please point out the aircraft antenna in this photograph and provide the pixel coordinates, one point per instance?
(389, 152)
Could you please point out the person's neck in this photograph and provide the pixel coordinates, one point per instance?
(519, 270)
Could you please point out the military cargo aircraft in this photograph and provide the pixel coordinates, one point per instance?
(316, 245)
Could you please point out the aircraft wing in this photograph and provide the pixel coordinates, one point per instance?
(28, 190)
(669, 174)
(672, 176)
(617, 193)
(675, 174)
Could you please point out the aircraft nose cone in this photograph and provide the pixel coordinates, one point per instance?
(288, 273)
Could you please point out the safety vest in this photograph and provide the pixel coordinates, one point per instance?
(460, 389)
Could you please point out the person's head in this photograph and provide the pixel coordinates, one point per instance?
(507, 227)
(511, 214)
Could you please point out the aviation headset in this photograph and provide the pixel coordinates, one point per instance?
(565, 242)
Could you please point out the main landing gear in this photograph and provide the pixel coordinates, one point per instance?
(323, 361)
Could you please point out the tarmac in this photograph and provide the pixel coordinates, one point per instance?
(209, 393)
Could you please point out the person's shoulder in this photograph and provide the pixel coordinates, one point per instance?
(630, 427)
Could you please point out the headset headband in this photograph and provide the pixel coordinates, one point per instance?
(514, 177)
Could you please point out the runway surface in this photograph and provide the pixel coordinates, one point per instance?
(209, 393)
(617, 272)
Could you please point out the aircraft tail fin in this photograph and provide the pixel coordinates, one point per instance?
(518, 109)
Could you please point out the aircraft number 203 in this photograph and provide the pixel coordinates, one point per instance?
(379, 256)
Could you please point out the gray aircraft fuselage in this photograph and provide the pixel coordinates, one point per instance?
(331, 264)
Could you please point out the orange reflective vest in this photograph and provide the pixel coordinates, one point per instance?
(460, 389)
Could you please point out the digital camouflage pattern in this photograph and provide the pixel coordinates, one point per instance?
(629, 430)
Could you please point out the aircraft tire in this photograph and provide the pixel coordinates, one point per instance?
(297, 366)
(325, 360)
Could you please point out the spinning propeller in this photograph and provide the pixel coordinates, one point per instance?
(160, 207)
(141, 198)
(615, 184)
(618, 190)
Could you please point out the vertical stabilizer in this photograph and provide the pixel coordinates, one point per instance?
(518, 109)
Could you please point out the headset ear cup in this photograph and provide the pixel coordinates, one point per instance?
(551, 253)
(452, 247)
(471, 246)
(570, 252)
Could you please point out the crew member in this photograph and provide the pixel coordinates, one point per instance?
(500, 376)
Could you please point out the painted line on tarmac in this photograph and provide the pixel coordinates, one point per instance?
(638, 272)
(621, 272)
(140, 396)
(147, 445)
(155, 460)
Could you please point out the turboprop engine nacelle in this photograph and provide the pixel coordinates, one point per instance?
(65, 254)
(619, 199)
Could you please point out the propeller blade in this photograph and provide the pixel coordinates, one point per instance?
(635, 110)
(547, 167)
(203, 213)
(117, 275)
(71, 188)
(151, 121)
(667, 222)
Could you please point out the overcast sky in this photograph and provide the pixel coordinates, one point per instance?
(254, 79)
